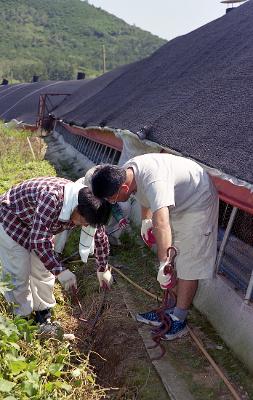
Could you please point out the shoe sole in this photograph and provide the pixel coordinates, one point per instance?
(147, 322)
(177, 335)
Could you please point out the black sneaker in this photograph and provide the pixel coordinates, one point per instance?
(43, 316)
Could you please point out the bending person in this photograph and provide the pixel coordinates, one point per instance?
(31, 213)
(182, 203)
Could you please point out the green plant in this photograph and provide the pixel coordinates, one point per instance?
(41, 370)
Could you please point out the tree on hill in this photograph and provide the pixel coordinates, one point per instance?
(55, 39)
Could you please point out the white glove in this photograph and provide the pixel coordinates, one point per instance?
(146, 232)
(105, 278)
(67, 279)
(166, 280)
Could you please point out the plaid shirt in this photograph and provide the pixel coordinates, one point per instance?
(101, 248)
(29, 214)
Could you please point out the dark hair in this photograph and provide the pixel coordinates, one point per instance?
(95, 211)
(107, 180)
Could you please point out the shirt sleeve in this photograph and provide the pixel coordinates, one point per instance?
(160, 194)
(41, 238)
(101, 248)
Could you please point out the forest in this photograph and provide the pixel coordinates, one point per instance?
(55, 39)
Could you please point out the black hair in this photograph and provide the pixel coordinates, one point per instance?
(107, 180)
(95, 211)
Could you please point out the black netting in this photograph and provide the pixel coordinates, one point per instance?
(21, 101)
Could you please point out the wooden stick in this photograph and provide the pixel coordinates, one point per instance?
(213, 363)
(135, 284)
(28, 140)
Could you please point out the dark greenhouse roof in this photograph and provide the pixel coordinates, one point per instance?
(20, 101)
(91, 89)
(193, 95)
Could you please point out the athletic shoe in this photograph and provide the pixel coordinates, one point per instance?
(43, 316)
(177, 329)
(151, 317)
(51, 330)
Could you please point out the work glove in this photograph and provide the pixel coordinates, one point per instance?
(166, 275)
(67, 279)
(146, 232)
(123, 223)
(105, 278)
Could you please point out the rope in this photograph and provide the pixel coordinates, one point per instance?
(193, 336)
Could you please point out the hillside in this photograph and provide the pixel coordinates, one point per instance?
(55, 39)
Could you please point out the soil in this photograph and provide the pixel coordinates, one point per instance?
(116, 348)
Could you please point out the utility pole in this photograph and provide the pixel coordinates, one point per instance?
(103, 52)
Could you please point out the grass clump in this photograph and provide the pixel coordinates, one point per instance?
(17, 161)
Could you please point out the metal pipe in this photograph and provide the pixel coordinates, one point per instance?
(108, 156)
(114, 156)
(92, 150)
(78, 143)
(93, 155)
(102, 158)
(225, 239)
(84, 141)
(93, 144)
(98, 149)
(88, 147)
(101, 148)
(249, 290)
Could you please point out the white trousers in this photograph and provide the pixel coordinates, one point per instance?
(33, 283)
(195, 236)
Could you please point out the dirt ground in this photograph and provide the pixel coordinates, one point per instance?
(116, 349)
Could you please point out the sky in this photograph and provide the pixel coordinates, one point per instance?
(164, 18)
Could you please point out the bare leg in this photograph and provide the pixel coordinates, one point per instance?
(186, 291)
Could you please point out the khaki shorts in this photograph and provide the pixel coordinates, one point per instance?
(195, 237)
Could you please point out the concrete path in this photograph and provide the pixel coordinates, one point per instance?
(175, 386)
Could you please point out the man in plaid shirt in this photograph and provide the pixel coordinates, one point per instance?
(30, 216)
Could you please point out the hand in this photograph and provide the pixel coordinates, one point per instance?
(67, 279)
(166, 275)
(123, 223)
(147, 233)
(105, 278)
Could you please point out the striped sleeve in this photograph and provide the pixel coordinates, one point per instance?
(41, 239)
(102, 248)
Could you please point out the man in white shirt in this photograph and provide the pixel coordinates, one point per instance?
(180, 202)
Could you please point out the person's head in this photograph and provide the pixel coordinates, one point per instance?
(109, 182)
(90, 210)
